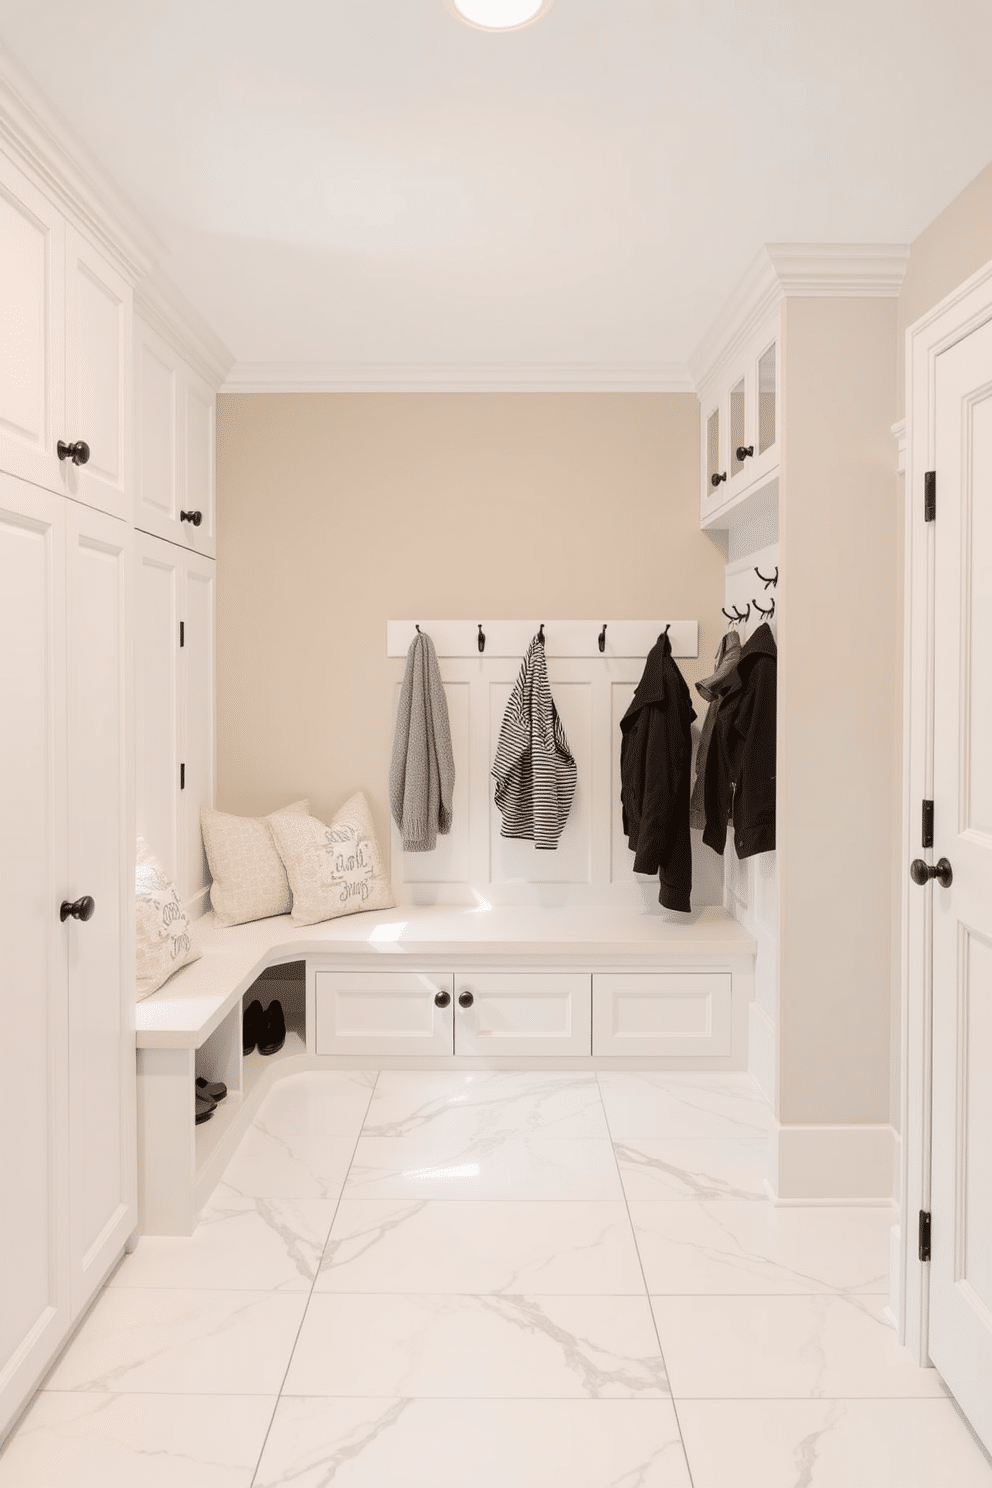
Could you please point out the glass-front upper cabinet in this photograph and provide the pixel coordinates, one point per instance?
(740, 409)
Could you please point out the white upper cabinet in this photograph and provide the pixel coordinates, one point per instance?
(741, 416)
(174, 445)
(65, 367)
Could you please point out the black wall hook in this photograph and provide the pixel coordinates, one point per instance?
(602, 637)
(419, 631)
(767, 614)
(736, 618)
(771, 583)
(482, 638)
(540, 632)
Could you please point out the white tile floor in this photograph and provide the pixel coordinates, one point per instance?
(499, 1281)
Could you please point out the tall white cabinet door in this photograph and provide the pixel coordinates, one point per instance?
(102, 1189)
(98, 377)
(157, 397)
(157, 613)
(199, 465)
(32, 314)
(34, 1289)
(197, 716)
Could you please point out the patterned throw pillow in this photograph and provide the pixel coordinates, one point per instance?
(333, 870)
(165, 936)
(249, 881)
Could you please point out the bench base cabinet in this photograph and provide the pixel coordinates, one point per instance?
(662, 1013)
(486, 1014)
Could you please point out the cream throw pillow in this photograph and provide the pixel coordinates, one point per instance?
(165, 936)
(249, 880)
(335, 870)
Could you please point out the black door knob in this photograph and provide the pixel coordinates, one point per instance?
(441, 999)
(745, 451)
(191, 516)
(81, 910)
(921, 872)
(78, 453)
(716, 479)
(465, 999)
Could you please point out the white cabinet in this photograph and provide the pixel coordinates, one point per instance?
(66, 984)
(65, 376)
(740, 410)
(174, 707)
(662, 1013)
(173, 445)
(487, 1013)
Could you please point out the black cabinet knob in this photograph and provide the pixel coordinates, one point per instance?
(191, 516)
(716, 479)
(922, 873)
(441, 999)
(745, 451)
(465, 999)
(81, 910)
(78, 453)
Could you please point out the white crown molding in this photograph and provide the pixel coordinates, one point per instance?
(161, 305)
(814, 270)
(38, 140)
(371, 377)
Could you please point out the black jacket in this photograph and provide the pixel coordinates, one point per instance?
(740, 766)
(655, 755)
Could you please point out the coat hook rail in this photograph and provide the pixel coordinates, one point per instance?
(601, 641)
(771, 583)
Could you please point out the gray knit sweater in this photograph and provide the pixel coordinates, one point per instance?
(422, 770)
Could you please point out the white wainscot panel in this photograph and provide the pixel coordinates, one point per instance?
(668, 1013)
(388, 1012)
(523, 1013)
(449, 862)
(512, 861)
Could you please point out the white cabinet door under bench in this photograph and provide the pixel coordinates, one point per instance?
(383, 1012)
(662, 1013)
(522, 1012)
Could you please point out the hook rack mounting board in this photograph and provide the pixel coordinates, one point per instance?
(627, 638)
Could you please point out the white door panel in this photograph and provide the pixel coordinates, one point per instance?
(961, 1269)
(98, 355)
(662, 1013)
(522, 1013)
(158, 578)
(388, 1012)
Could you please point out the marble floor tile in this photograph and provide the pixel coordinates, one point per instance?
(830, 1444)
(439, 1245)
(785, 1348)
(674, 1169)
(188, 1342)
(726, 1246)
(438, 1345)
(503, 1165)
(273, 1162)
(460, 1107)
(137, 1441)
(382, 1443)
(697, 1104)
(244, 1243)
(332, 1102)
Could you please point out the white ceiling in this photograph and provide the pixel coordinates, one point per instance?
(369, 182)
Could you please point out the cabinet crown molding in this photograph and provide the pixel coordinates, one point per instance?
(42, 144)
(813, 270)
(454, 377)
(161, 305)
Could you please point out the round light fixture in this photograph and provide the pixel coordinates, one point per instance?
(500, 15)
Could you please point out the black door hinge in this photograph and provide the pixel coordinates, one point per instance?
(182, 632)
(927, 839)
(182, 777)
(924, 1235)
(930, 496)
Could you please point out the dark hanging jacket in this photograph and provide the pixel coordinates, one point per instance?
(740, 766)
(712, 690)
(655, 758)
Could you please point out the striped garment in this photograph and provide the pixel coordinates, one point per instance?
(534, 769)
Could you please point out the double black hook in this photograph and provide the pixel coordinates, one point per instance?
(737, 618)
(771, 583)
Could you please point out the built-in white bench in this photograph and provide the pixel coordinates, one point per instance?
(440, 987)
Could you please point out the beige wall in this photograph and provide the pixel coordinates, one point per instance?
(950, 250)
(337, 512)
(838, 657)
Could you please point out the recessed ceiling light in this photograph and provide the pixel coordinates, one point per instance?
(500, 15)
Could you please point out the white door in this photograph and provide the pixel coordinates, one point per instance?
(97, 377)
(102, 1186)
(961, 1267)
(34, 1283)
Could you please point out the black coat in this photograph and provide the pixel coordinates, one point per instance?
(655, 756)
(740, 766)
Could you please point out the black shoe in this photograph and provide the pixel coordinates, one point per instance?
(272, 1029)
(251, 1026)
(205, 1108)
(214, 1090)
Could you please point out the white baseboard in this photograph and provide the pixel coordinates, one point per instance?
(832, 1164)
(762, 1052)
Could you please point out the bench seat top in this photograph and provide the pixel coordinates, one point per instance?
(187, 1009)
